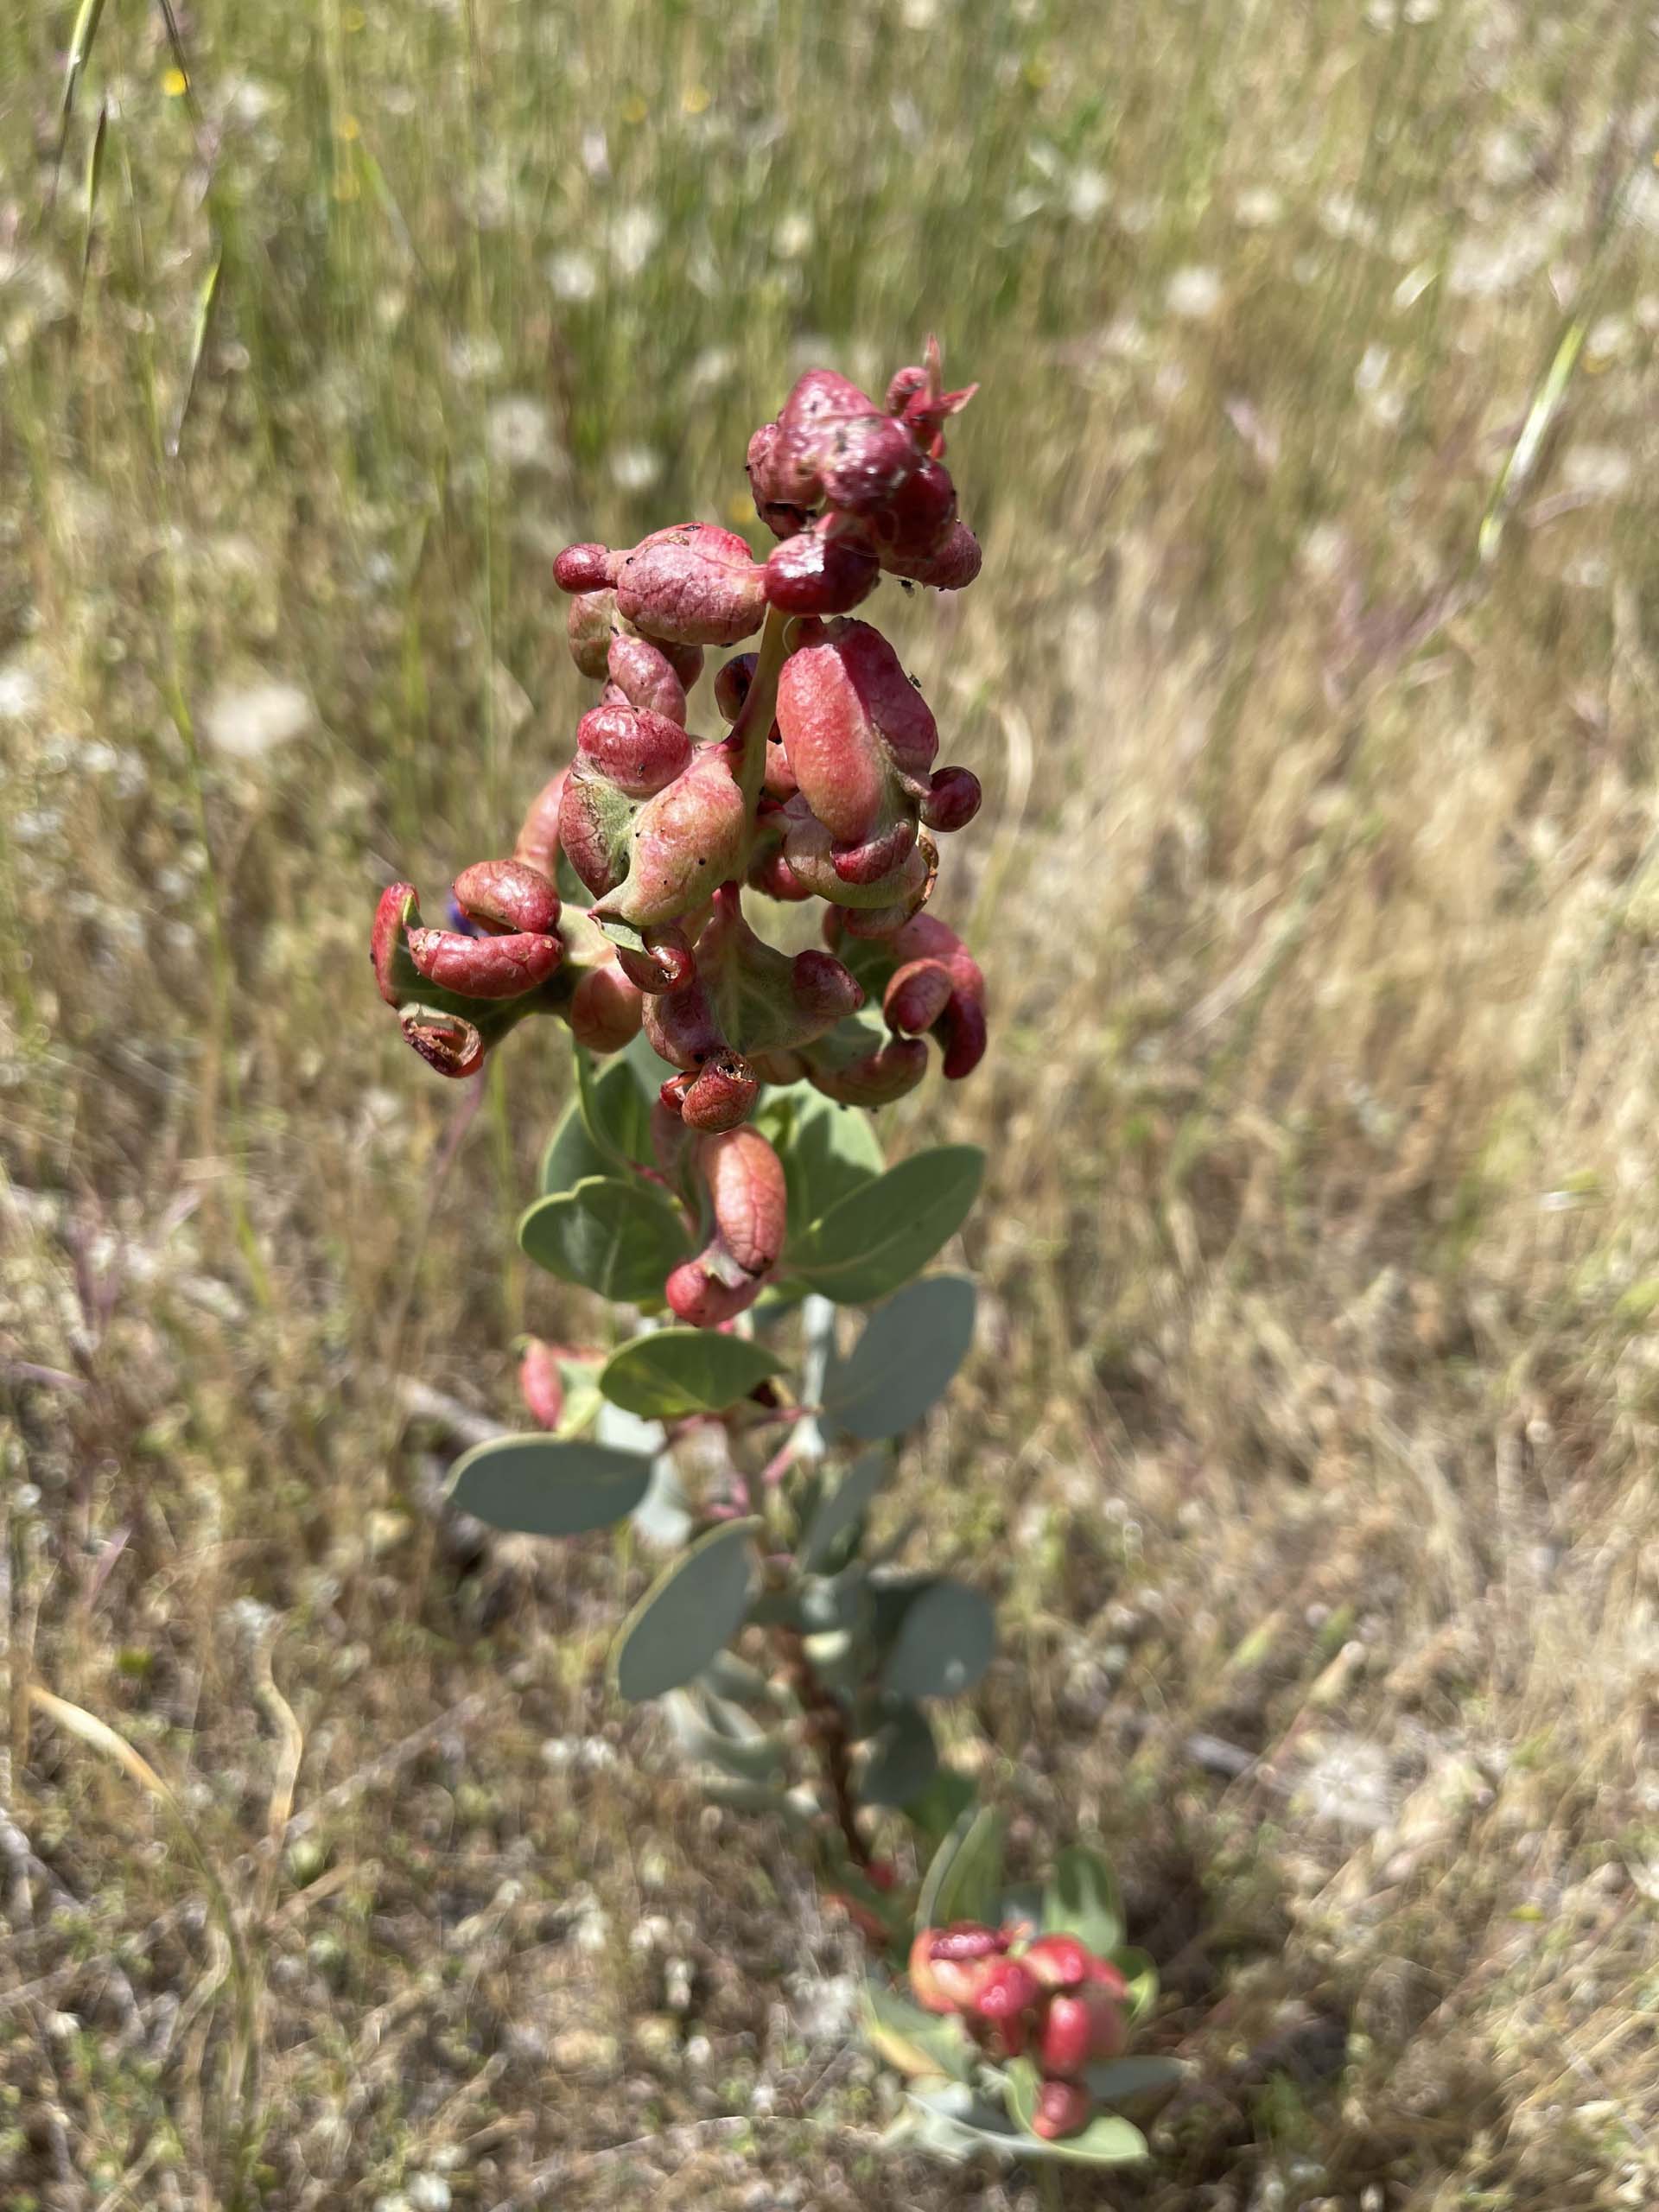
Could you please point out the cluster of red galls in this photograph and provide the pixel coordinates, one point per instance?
(825, 787)
(1052, 2000)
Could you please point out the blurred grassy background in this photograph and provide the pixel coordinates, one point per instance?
(1310, 1444)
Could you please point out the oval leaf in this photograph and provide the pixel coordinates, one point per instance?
(1116, 2079)
(828, 1151)
(1137, 1969)
(925, 2044)
(843, 1510)
(1081, 1898)
(901, 1760)
(540, 1486)
(944, 1644)
(905, 1359)
(687, 1614)
(620, 1239)
(674, 1372)
(571, 1156)
(879, 1235)
(616, 1110)
(965, 1872)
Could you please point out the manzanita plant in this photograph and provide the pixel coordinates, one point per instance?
(717, 1172)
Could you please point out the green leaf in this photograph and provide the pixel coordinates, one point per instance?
(941, 1805)
(1107, 2140)
(616, 1110)
(1020, 1906)
(920, 2045)
(1137, 1969)
(1116, 2079)
(688, 1613)
(841, 1511)
(540, 1486)
(944, 1644)
(880, 1234)
(965, 1873)
(902, 1759)
(904, 1362)
(828, 1151)
(620, 1239)
(571, 1156)
(1081, 1898)
(710, 1728)
(674, 1372)
(958, 2123)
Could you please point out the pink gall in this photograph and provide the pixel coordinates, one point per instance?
(582, 569)
(637, 751)
(508, 895)
(1062, 2109)
(951, 566)
(540, 1383)
(743, 1178)
(484, 967)
(645, 677)
(605, 1009)
(693, 585)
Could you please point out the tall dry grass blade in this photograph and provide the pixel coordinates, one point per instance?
(205, 305)
(242, 2069)
(1523, 456)
(81, 48)
(94, 174)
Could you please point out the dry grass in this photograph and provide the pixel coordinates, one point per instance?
(1311, 1440)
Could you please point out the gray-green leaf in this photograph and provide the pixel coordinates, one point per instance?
(880, 1234)
(571, 1156)
(828, 1151)
(616, 1109)
(965, 1872)
(843, 1510)
(688, 1613)
(920, 2045)
(542, 1486)
(902, 1759)
(904, 1362)
(620, 1239)
(944, 1644)
(1081, 1898)
(674, 1372)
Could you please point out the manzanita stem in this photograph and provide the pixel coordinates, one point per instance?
(759, 710)
(826, 1729)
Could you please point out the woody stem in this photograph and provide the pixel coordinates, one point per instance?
(826, 1732)
(759, 710)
